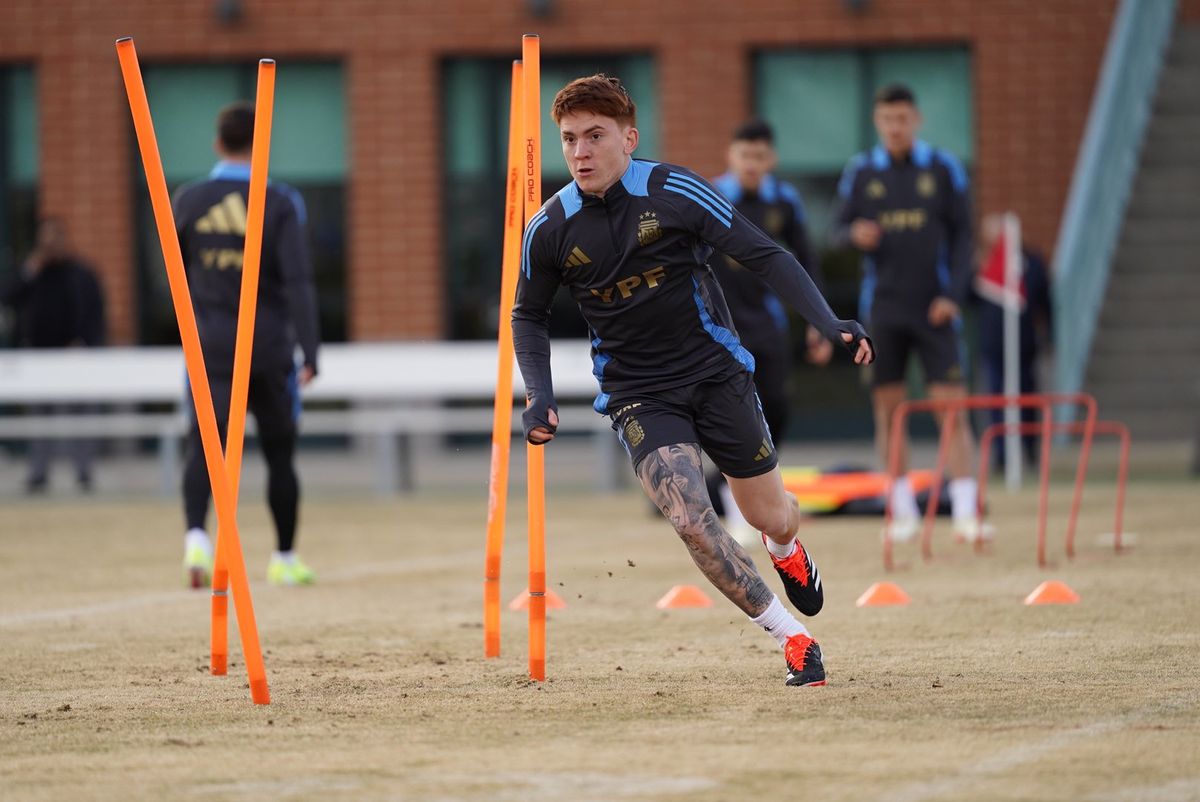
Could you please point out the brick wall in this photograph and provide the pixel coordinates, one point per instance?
(1035, 63)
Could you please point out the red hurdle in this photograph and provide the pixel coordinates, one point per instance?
(1043, 401)
(1108, 427)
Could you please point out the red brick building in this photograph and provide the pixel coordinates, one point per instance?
(1033, 68)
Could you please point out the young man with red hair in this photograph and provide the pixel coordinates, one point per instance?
(631, 240)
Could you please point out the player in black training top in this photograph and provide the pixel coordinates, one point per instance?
(904, 204)
(762, 325)
(210, 216)
(631, 240)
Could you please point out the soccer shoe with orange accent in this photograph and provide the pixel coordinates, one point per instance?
(803, 657)
(801, 579)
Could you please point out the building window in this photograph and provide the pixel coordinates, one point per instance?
(308, 151)
(18, 175)
(475, 136)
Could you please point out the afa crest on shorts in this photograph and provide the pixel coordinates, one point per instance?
(634, 433)
(648, 228)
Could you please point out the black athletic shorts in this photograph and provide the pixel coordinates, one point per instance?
(273, 399)
(896, 333)
(721, 413)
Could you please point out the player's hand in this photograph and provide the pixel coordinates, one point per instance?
(942, 311)
(305, 375)
(865, 354)
(817, 350)
(865, 234)
(540, 434)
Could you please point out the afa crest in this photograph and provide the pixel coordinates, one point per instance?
(926, 185)
(648, 228)
(634, 433)
(773, 223)
(875, 188)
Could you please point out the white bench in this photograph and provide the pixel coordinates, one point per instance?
(391, 391)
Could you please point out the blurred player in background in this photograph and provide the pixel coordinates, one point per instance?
(904, 205)
(211, 219)
(758, 315)
(631, 240)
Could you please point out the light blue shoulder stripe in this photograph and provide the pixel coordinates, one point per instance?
(958, 176)
(533, 226)
(702, 189)
(846, 183)
(636, 179)
(570, 199)
(722, 217)
(728, 185)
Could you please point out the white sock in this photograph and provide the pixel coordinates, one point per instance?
(288, 557)
(197, 537)
(904, 503)
(781, 552)
(779, 623)
(964, 496)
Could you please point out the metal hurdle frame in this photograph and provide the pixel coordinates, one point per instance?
(1105, 427)
(1043, 401)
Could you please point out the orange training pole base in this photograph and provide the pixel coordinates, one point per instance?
(194, 358)
(243, 350)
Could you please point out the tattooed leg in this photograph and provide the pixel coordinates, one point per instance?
(674, 480)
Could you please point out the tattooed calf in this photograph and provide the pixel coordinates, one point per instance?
(674, 480)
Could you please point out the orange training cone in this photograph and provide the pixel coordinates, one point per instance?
(553, 601)
(1052, 592)
(883, 594)
(684, 596)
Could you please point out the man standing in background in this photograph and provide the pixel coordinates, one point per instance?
(904, 205)
(58, 303)
(758, 314)
(210, 216)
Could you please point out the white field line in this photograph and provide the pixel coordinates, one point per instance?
(347, 574)
(960, 781)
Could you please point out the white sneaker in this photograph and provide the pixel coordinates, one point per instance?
(903, 530)
(971, 530)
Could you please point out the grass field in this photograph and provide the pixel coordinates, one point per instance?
(380, 690)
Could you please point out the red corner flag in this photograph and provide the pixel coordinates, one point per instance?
(989, 282)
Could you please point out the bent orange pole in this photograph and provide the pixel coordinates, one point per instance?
(502, 411)
(260, 158)
(194, 358)
(536, 455)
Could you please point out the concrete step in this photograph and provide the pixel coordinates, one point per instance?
(1164, 287)
(1122, 314)
(1165, 205)
(1144, 253)
(1133, 337)
(1166, 234)
(1174, 123)
(1166, 179)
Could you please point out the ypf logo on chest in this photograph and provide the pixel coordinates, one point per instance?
(648, 279)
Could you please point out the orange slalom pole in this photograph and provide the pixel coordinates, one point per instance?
(194, 358)
(536, 455)
(260, 158)
(502, 411)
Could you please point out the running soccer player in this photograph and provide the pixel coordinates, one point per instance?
(631, 240)
(904, 205)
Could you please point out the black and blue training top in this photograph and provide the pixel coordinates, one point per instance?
(636, 262)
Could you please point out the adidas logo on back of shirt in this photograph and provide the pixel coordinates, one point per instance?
(226, 217)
